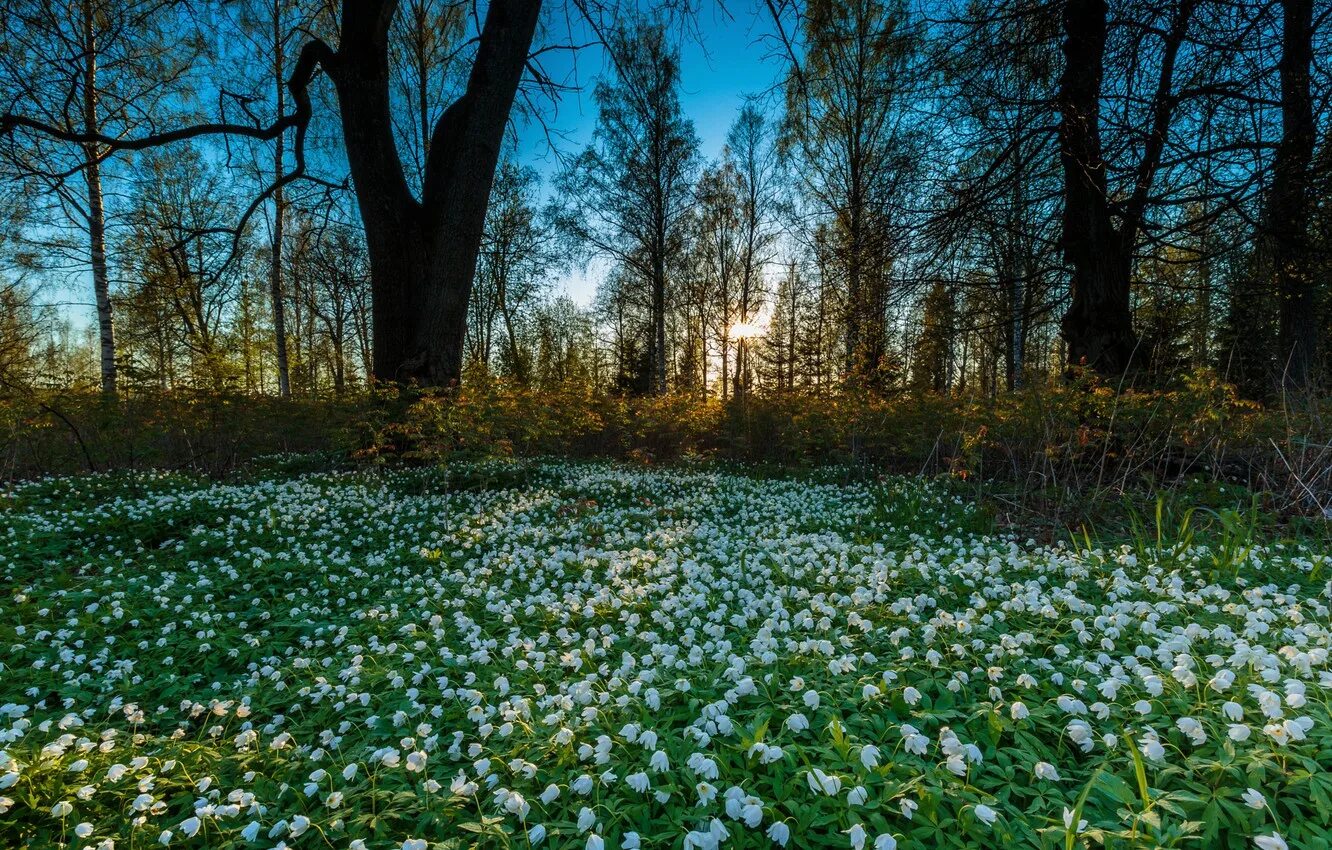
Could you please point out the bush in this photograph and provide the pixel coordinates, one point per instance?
(1049, 446)
(46, 433)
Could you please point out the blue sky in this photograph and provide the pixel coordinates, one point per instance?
(720, 66)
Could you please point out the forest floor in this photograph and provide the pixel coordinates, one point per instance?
(595, 656)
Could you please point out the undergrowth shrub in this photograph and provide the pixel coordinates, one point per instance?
(46, 433)
(1049, 445)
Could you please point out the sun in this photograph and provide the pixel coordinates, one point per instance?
(747, 330)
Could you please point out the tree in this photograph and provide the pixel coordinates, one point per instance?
(847, 97)
(782, 340)
(273, 27)
(518, 250)
(932, 360)
(422, 249)
(91, 73)
(1101, 230)
(186, 278)
(338, 275)
(998, 218)
(1286, 237)
(20, 328)
(718, 248)
(753, 158)
(629, 191)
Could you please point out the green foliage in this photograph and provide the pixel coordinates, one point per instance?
(383, 655)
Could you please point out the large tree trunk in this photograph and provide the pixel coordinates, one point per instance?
(423, 252)
(92, 174)
(1099, 323)
(1287, 238)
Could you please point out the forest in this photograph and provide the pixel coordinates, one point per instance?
(636, 424)
(960, 198)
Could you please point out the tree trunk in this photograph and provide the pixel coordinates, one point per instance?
(515, 355)
(101, 284)
(741, 368)
(725, 362)
(855, 298)
(1099, 323)
(1287, 234)
(92, 175)
(423, 253)
(659, 319)
(279, 214)
(339, 366)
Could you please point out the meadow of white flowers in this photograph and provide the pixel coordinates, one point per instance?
(596, 657)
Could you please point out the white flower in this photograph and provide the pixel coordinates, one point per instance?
(811, 700)
(1192, 729)
(630, 841)
(515, 804)
(1068, 822)
(190, 826)
(1045, 770)
(536, 834)
(83, 830)
(985, 814)
(752, 812)
(797, 723)
(62, 809)
(869, 756)
(1151, 747)
(857, 836)
(414, 844)
(1254, 799)
(1270, 842)
(779, 833)
(703, 766)
(462, 786)
(822, 783)
(586, 819)
(857, 796)
(885, 841)
(638, 781)
(595, 842)
(707, 792)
